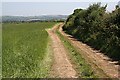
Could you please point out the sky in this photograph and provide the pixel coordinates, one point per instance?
(60, 0)
(46, 8)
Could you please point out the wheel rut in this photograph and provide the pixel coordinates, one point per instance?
(62, 67)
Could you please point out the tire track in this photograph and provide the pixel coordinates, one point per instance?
(61, 68)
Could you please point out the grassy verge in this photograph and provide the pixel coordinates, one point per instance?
(84, 70)
(46, 63)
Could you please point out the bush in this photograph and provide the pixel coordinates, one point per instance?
(97, 28)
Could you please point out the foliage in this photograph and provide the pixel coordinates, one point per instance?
(97, 28)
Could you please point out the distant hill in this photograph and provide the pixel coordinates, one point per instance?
(31, 18)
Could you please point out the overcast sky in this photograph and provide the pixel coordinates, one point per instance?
(60, 0)
(46, 8)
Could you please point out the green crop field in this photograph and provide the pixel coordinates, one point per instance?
(24, 47)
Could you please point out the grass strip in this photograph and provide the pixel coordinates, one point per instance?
(46, 64)
(83, 69)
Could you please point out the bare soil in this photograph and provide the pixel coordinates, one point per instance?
(62, 67)
(95, 58)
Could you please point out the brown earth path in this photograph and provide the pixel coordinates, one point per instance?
(61, 68)
(93, 57)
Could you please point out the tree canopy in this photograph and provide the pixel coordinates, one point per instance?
(97, 28)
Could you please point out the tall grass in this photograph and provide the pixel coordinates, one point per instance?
(24, 47)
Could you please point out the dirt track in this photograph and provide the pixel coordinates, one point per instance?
(95, 58)
(61, 68)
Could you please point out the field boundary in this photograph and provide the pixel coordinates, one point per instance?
(94, 65)
(47, 61)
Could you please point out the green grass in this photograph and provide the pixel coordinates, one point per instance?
(83, 69)
(25, 50)
(0, 50)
